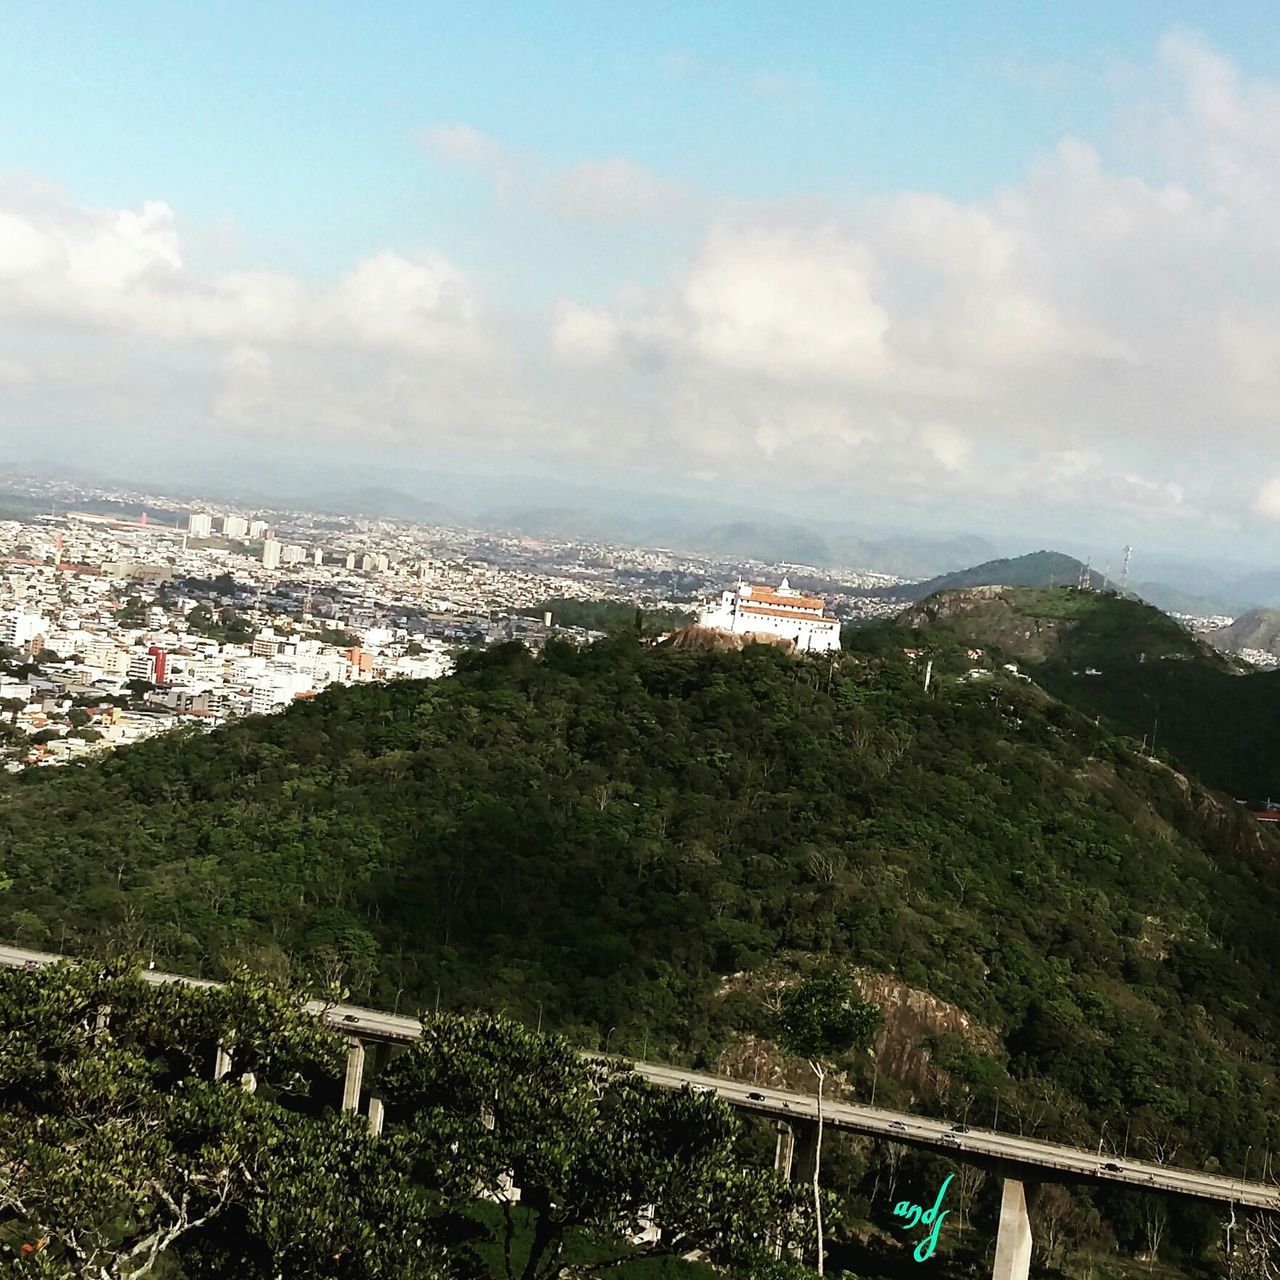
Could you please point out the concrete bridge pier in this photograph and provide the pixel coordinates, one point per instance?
(221, 1061)
(797, 1150)
(806, 1150)
(1013, 1242)
(354, 1077)
(784, 1152)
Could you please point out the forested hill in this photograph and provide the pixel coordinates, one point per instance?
(1036, 569)
(1144, 673)
(600, 837)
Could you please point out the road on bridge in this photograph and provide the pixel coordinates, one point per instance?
(1033, 1156)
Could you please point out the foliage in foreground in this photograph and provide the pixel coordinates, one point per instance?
(119, 1156)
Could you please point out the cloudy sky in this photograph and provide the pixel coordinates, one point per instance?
(965, 266)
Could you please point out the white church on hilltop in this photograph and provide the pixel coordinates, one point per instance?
(752, 610)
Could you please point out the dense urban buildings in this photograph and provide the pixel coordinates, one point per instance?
(125, 614)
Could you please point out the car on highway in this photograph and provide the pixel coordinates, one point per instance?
(1109, 1168)
(702, 1088)
(896, 1124)
(959, 1128)
(755, 1097)
(950, 1139)
(350, 1017)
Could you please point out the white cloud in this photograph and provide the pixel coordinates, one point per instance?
(124, 270)
(1266, 501)
(948, 446)
(583, 334)
(607, 189)
(785, 304)
(613, 189)
(1092, 336)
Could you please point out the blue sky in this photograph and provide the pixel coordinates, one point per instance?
(577, 186)
(286, 118)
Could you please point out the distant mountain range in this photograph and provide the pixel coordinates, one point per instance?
(385, 504)
(906, 556)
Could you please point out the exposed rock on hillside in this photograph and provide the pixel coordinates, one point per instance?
(911, 1018)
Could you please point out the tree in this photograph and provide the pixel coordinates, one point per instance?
(822, 1019)
(488, 1104)
(118, 1149)
(1251, 1246)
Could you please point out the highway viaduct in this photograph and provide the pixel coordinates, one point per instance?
(1023, 1164)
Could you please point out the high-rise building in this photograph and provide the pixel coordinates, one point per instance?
(293, 555)
(160, 661)
(381, 562)
(19, 628)
(234, 526)
(142, 666)
(317, 556)
(271, 554)
(265, 644)
(258, 529)
(200, 524)
(351, 560)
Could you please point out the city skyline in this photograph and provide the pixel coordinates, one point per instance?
(988, 271)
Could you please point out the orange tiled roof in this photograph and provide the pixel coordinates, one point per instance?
(749, 606)
(763, 595)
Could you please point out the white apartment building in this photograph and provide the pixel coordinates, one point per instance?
(755, 610)
(18, 628)
(234, 526)
(266, 644)
(268, 697)
(200, 524)
(293, 555)
(258, 529)
(271, 554)
(142, 666)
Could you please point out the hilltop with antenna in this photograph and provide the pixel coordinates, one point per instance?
(1038, 569)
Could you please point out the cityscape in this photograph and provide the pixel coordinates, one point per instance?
(128, 614)
(639, 642)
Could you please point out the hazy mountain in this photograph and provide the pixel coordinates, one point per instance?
(1257, 629)
(1037, 569)
(384, 504)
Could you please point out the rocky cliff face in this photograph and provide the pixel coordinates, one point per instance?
(911, 1018)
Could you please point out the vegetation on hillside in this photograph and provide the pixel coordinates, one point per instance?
(609, 615)
(1142, 672)
(1036, 569)
(599, 838)
(123, 1158)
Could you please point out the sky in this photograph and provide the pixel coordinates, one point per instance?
(1003, 268)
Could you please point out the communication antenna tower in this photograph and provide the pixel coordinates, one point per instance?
(1124, 573)
(1082, 583)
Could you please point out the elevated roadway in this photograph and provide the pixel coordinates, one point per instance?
(1022, 1162)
